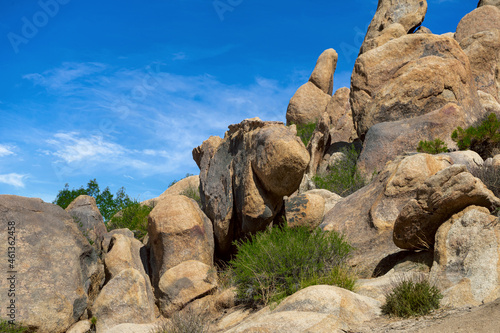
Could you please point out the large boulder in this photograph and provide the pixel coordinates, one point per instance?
(54, 264)
(182, 284)
(87, 217)
(367, 216)
(314, 309)
(191, 183)
(245, 177)
(489, 3)
(392, 19)
(178, 231)
(467, 259)
(484, 18)
(438, 198)
(310, 101)
(409, 77)
(124, 299)
(306, 105)
(385, 141)
(489, 103)
(483, 47)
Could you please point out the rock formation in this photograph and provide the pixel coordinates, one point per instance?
(245, 176)
(87, 217)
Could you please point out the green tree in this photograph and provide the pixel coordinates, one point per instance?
(108, 204)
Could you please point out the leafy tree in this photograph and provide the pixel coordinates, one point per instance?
(108, 204)
(432, 147)
(305, 131)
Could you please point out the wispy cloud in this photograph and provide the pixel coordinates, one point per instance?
(13, 179)
(6, 150)
(62, 78)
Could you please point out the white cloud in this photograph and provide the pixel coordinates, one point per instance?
(63, 77)
(72, 147)
(6, 150)
(13, 179)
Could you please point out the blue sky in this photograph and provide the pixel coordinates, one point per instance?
(122, 91)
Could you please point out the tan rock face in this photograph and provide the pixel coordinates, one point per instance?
(367, 216)
(125, 252)
(178, 231)
(309, 102)
(442, 195)
(408, 14)
(184, 283)
(87, 217)
(314, 309)
(244, 181)
(322, 76)
(385, 141)
(124, 299)
(489, 103)
(411, 76)
(489, 3)
(305, 210)
(53, 260)
(484, 18)
(307, 105)
(466, 258)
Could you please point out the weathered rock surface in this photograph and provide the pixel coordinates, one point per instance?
(423, 30)
(87, 217)
(124, 299)
(307, 105)
(133, 328)
(407, 14)
(108, 236)
(311, 99)
(367, 216)
(314, 309)
(442, 195)
(53, 260)
(245, 176)
(184, 283)
(385, 141)
(178, 231)
(82, 326)
(305, 209)
(483, 50)
(469, 158)
(489, 3)
(322, 75)
(483, 18)
(467, 259)
(489, 103)
(124, 253)
(409, 77)
(183, 185)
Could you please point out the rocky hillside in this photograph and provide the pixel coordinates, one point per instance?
(406, 214)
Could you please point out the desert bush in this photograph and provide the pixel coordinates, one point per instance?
(276, 263)
(5, 327)
(343, 178)
(490, 176)
(411, 298)
(133, 217)
(305, 131)
(484, 139)
(187, 321)
(193, 193)
(432, 147)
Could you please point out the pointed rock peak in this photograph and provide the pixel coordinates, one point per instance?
(322, 76)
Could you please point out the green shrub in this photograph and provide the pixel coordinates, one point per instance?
(490, 176)
(343, 177)
(274, 264)
(193, 193)
(5, 327)
(133, 217)
(187, 321)
(432, 147)
(305, 131)
(409, 298)
(484, 139)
